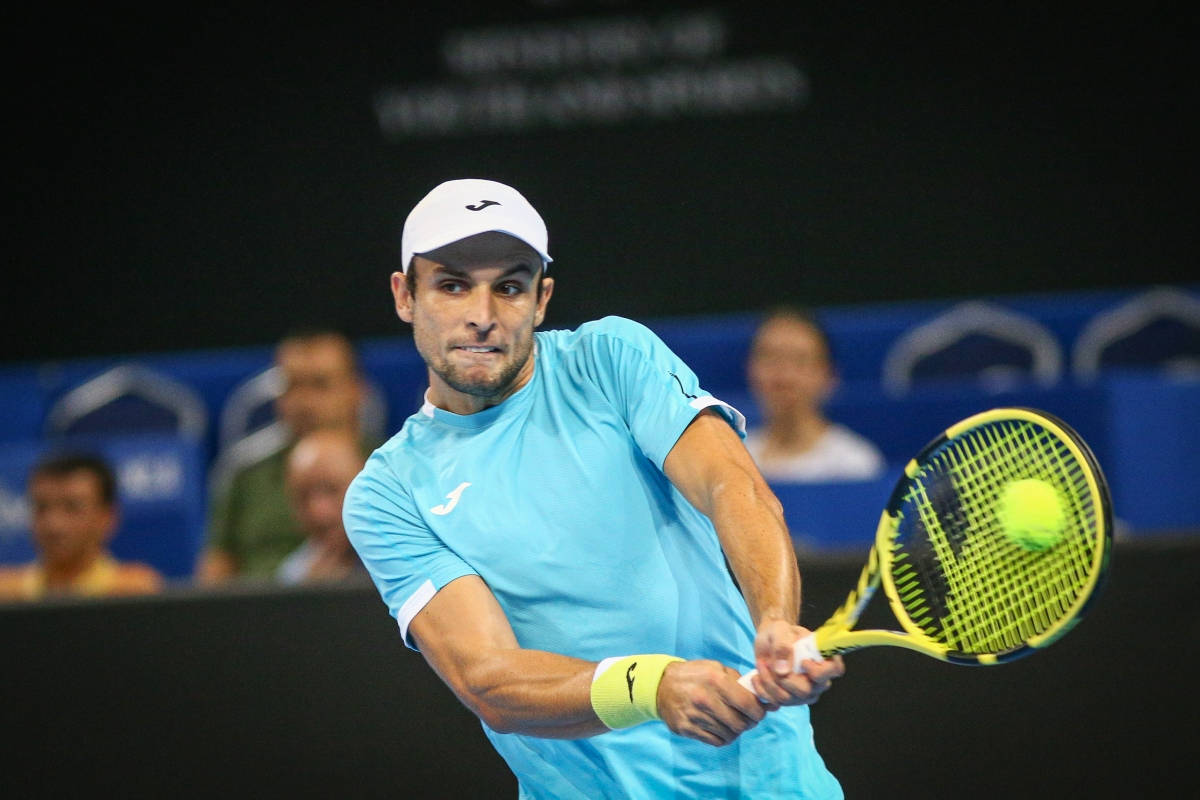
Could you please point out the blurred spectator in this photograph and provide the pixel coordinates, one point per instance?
(791, 375)
(73, 505)
(251, 525)
(319, 470)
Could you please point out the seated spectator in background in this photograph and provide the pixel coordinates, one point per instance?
(73, 509)
(791, 375)
(318, 472)
(251, 525)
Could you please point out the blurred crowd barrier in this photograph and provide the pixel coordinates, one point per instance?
(1122, 367)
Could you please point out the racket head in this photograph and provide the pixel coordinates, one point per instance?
(962, 590)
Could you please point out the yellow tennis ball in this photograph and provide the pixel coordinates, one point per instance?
(1031, 514)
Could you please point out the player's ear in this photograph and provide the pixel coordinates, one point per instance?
(547, 290)
(402, 296)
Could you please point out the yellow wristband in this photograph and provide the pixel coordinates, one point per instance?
(625, 690)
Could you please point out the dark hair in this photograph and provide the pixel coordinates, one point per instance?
(61, 465)
(801, 314)
(304, 335)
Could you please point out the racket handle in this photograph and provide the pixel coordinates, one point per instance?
(805, 648)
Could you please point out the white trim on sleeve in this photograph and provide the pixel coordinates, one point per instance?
(737, 418)
(413, 605)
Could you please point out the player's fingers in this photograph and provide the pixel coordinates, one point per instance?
(769, 688)
(773, 647)
(824, 671)
(749, 706)
(804, 689)
(714, 727)
(742, 701)
(728, 721)
(783, 656)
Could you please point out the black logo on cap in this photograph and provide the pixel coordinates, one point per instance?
(481, 205)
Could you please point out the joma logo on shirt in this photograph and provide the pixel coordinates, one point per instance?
(452, 500)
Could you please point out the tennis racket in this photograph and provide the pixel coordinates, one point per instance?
(961, 590)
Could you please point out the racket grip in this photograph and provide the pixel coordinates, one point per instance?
(805, 648)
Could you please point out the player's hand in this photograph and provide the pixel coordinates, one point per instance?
(703, 700)
(776, 683)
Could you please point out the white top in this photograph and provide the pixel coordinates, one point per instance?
(294, 569)
(839, 455)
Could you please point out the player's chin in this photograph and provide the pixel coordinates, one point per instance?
(477, 381)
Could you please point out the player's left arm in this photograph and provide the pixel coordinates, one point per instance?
(712, 468)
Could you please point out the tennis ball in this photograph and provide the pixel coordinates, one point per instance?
(1031, 514)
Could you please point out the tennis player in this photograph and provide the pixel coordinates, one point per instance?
(573, 535)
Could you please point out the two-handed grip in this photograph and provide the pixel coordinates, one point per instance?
(804, 648)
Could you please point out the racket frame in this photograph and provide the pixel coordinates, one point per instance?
(836, 635)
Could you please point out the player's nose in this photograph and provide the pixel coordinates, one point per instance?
(481, 310)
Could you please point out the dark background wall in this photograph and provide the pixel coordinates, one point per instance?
(311, 694)
(188, 176)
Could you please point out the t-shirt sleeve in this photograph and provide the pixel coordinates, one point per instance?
(655, 392)
(408, 563)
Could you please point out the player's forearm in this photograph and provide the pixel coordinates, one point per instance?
(531, 692)
(749, 523)
(711, 467)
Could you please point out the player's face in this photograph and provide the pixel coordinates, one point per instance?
(70, 521)
(473, 314)
(789, 369)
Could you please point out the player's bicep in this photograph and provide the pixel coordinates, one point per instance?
(459, 630)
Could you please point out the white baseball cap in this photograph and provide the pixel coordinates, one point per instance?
(457, 209)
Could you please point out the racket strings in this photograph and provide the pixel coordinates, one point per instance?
(1000, 611)
(1015, 445)
(958, 577)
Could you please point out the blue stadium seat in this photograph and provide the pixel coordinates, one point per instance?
(984, 343)
(128, 398)
(15, 460)
(1157, 329)
(249, 407)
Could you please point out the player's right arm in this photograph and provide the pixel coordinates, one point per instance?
(466, 638)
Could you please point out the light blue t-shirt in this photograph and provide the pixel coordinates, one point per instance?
(557, 500)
